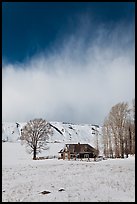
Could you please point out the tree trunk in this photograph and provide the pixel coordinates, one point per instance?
(34, 153)
(122, 150)
(130, 141)
(126, 148)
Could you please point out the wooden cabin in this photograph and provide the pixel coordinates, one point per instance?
(74, 151)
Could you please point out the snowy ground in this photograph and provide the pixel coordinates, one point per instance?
(23, 179)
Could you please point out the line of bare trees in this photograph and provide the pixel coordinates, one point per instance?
(119, 131)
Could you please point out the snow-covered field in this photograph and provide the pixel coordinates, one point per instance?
(23, 179)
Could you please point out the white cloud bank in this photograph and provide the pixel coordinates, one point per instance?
(79, 82)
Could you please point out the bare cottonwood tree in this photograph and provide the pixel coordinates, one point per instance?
(131, 129)
(35, 134)
(116, 132)
(118, 119)
(107, 139)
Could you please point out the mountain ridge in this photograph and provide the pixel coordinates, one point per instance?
(63, 132)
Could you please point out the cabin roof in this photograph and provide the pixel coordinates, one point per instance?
(78, 148)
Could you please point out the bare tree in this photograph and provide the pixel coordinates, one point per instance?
(118, 118)
(133, 127)
(107, 139)
(96, 132)
(133, 108)
(116, 132)
(130, 131)
(35, 134)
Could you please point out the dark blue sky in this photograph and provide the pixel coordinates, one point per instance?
(34, 27)
(81, 53)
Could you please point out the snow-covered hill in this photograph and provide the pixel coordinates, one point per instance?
(63, 133)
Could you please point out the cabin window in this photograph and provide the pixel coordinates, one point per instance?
(86, 155)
